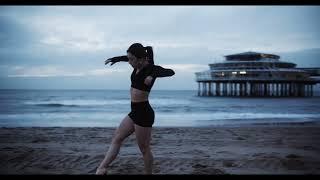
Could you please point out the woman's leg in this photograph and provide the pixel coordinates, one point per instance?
(143, 135)
(125, 129)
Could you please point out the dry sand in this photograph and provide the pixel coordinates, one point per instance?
(267, 149)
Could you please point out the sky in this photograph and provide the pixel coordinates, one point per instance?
(64, 47)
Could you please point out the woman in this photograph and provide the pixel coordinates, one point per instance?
(141, 117)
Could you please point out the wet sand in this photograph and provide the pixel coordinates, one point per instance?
(250, 149)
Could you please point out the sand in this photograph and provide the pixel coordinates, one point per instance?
(250, 149)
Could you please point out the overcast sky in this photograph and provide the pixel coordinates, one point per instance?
(64, 47)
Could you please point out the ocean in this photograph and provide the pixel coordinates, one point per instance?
(106, 108)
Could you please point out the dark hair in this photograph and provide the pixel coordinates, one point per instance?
(139, 51)
(150, 54)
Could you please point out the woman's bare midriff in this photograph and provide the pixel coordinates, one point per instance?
(138, 95)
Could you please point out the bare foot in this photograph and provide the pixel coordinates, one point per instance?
(101, 171)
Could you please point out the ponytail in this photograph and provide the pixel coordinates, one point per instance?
(149, 53)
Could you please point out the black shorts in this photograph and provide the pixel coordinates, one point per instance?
(142, 114)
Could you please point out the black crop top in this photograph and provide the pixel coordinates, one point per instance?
(137, 79)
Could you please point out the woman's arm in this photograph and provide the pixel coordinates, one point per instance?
(116, 59)
(159, 71)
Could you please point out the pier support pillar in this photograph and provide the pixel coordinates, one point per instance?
(232, 89)
(224, 89)
(203, 88)
(217, 89)
(245, 89)
(291, 89)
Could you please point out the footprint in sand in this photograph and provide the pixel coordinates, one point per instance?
(240, 138)
(293, 156)
(205, 169)
(229, 163)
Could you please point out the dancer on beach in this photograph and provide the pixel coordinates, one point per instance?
(141, 117)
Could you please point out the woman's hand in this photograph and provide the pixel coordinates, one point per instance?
(148, 80)
(108, 61)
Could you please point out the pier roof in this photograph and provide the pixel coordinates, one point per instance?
(251, 56)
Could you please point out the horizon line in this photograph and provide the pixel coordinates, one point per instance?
(95, 89)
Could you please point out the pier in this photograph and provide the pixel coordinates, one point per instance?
(257, 74)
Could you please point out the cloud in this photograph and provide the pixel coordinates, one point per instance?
(41, 71)
(4, 66)
(14, 34)
(73, 41)
(58, 71)
(102, 72)
(69, 34)
(186, 67)
(98, 29)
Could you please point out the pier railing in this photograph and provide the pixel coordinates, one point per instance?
(209, 76)
(199, 79)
